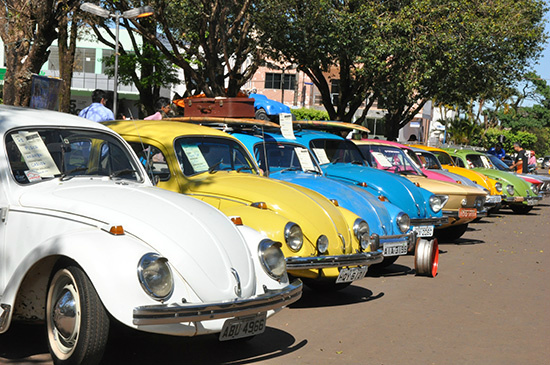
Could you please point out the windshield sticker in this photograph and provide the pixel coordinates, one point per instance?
(321, 155)
(35, 153)
(285, 120)
(381, 159)
(304, 158)
(195, 157)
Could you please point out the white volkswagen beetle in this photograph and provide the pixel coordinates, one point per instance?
(83, 233)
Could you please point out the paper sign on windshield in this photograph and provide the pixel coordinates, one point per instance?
(35, 153)
(195, 157)
(321, 155)
(304, 158)
(381, 159)
(285, 120)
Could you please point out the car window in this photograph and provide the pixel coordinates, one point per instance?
(38, 154)
(206, 153)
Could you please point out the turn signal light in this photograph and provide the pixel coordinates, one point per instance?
(116, 230)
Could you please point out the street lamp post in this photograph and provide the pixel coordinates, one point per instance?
(140, 12)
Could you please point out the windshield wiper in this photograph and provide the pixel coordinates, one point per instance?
(65, 175)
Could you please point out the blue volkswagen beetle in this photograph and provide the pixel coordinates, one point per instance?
(290, 161)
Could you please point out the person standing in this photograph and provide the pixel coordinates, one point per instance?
(521, 161)
(163, 108)
(97, 111)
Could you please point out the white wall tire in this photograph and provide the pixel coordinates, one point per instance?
(76, 321)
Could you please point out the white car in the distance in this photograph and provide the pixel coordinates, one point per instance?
(84, 234)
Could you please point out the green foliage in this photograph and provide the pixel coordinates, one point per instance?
(310, 114)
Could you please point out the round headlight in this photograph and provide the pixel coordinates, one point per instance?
(404, 222)
(510, 189)
(437, 203)
(294, 237)
(322, 244)
(362, 232)
(155, 276)
(272, 258)
(498, 186)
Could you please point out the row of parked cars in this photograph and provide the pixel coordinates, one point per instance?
(182, 229)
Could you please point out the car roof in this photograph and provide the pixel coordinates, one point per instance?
(14, 117)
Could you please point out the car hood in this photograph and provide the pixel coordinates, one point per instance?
(284, 199)
(400, 191)
(360, 202)
(198, 240)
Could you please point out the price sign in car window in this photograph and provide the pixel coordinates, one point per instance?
(35, 153)
(195, 157)
(304, 158)
(321, 155)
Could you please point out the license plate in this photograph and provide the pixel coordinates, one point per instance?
(349, 274)
(395, 249)
(243, 327)
(467, 213)
(518, 199)
(424, 231)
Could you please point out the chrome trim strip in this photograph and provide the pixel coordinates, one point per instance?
(177, 313)
(324, 262)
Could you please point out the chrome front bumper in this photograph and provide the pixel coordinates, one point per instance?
(177, 313)
(324, 262)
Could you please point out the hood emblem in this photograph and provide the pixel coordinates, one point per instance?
(343, 242)
(238, 289)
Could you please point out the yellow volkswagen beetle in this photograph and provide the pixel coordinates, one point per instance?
(325, 245)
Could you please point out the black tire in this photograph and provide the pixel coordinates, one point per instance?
(452, 233)
(76, 321)
(261, 115)
(521, 209)
(389, 260)
(324, 285)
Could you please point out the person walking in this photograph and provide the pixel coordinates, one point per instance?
(163, 108)
(97, 111)
(521, 161)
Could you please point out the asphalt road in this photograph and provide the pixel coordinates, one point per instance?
(489, 304)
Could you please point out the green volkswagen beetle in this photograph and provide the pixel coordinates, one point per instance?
(519, 195)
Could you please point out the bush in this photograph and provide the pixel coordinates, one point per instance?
(310, 114)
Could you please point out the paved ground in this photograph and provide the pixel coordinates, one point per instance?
(490, 304)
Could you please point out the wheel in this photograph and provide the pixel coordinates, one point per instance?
(261, 114)
(324, 285)
(451, 233)
(388, 260)
(426, 258)
(521, 209)
(76, 321)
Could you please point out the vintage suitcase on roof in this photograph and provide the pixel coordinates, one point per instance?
(230, 107)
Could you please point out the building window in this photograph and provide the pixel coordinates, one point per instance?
(84, 60)
(273, 81)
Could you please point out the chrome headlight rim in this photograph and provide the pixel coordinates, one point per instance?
(510, 189)
(294, 237)
(275, 265)
(361, 230)
(437, 202)
(403, 222)
(322, 244)
(498, 187)
(145, 268)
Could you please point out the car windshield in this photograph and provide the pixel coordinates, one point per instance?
(429, 160)
(45, 153)
(389, 158)
(498, 163)
(200, 154)
(336, 151)
(475, 160)
(444, 158)
(283, 157)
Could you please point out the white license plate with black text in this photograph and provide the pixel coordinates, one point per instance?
(395, 249)
(349, 274)
(243, 327)
(424, 231)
